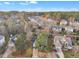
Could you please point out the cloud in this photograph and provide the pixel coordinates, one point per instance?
(23, 3)
(33, 2)
(28, 2)
(7, 3)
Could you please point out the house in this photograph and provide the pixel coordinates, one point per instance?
(2, 40)
(63, 22)
(75, 23)
(2, 20)
(51, 22)
(68, 43)
(69, 29)
(57, 28)
(37, 20)
(33, 19)
(15, 18)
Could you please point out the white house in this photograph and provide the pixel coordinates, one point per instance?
(74, 23)
(63, 22)
(57, 28)
(69, 29)
(2, 40)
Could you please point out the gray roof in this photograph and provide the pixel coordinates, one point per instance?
(2, 18)
(58, 27)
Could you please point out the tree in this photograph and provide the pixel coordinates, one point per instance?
(3, 47)
(3, 30)
(23, 45)
(21, 42)
(44, 42)
(50, 43)
(71, 18)
(11, 26)
(14, 27)
(41, 41)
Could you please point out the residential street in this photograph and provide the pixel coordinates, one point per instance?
(9, 49)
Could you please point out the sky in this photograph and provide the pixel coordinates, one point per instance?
(39, 6)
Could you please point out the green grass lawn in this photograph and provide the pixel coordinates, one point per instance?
(44, 43)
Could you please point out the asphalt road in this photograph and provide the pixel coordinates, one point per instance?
(9, 49)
